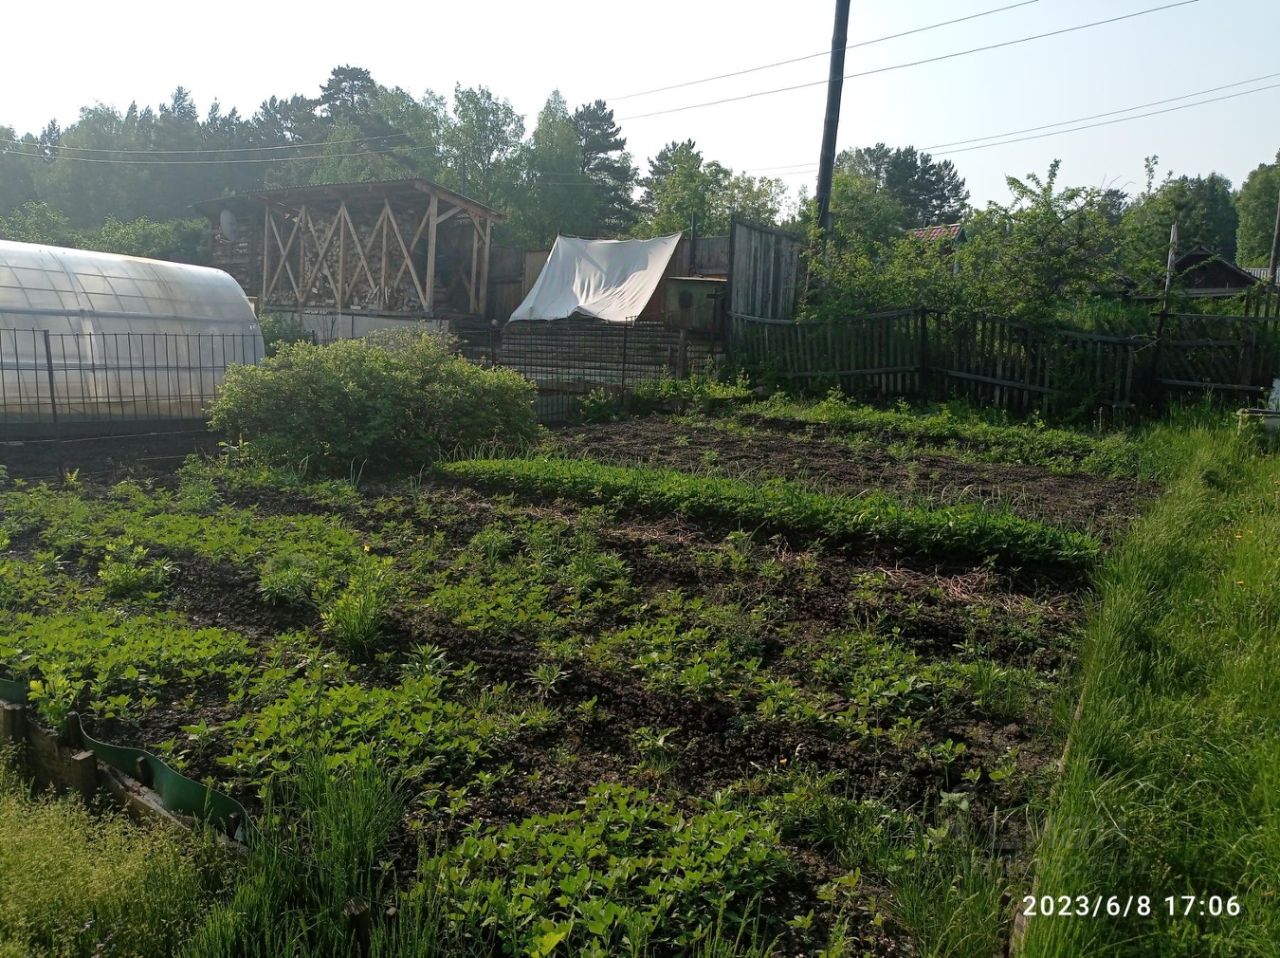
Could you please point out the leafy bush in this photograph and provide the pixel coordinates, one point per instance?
(599, 405)
(282, 330)
(624, 868)
(127, 572)
(54, 697)
(393, 402)
(968, 532)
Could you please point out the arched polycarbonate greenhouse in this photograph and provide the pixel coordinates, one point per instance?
(97, 336)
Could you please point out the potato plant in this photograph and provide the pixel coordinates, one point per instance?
(553, 706)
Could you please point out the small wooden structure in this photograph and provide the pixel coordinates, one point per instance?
(399, 248)
(1202, 272)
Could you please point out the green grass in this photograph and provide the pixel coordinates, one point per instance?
(1173, 768)
(77, 884)
(953, 532)
(960, 431)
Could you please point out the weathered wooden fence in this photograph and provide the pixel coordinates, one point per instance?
(1226, 354)
(1012, 365)
(764, 271)
(881, 354)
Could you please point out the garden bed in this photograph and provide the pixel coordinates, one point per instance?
(816, 456)
(869, 704)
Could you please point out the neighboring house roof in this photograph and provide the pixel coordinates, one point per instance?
(950, 231)
(1261, 272)
(1202, 267)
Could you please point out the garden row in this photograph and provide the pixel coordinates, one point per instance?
(804, 709)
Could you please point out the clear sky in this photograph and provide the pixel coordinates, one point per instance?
(60, 56)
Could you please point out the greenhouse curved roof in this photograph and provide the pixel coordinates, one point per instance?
(43, 285)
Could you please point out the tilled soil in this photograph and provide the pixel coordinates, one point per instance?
(1080, 500)
(717, 740)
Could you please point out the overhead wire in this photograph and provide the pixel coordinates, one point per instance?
(820, 53)
(797, 169)
(912, 63)
(229, 149)
(1014, 136)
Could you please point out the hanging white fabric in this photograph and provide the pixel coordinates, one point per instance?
(612, 280)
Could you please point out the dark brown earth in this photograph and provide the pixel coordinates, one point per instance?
(1081, 500)
(717, 741)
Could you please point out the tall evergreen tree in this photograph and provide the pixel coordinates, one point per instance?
(606, 162)
(681, 186)
(928, 192)
(1202, 206)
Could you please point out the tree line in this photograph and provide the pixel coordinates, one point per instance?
(125, 182)
(1038, 256)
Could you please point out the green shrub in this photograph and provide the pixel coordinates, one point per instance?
(280, 330)
(623, 869)
(599, 405)
(393, 402)
(127, 572)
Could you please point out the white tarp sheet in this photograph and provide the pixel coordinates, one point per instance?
(612, 280)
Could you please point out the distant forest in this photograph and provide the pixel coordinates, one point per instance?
(130, 178)
(126, 182)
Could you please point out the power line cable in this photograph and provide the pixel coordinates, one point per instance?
(1090, 126)
(809, 165)
(629, 96)
(821, 53)
(392, 152)
(1097, 116)
(912, 63)
(1123, 119)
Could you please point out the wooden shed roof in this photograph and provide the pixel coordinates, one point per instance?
(373, 192)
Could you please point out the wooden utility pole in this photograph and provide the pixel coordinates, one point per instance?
(835, 86)
(1274, 264)
(1169, 263)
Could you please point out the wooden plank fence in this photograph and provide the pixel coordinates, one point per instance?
(1011, 365)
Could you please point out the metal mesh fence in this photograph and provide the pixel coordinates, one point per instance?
(571, 359)
(109, 377)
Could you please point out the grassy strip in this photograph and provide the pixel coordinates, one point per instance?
(957, 532)
(79, 885)
(958, 430)
(1170, 782)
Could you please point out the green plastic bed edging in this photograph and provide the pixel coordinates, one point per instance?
(11, 691)
(177, 793)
